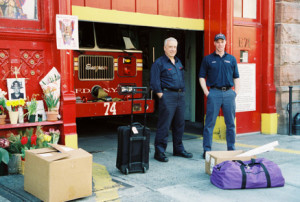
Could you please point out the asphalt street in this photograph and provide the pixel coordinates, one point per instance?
(179, 179)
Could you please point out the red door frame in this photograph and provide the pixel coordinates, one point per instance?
(219, 18)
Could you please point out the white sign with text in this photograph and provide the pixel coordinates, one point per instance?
(246, 99)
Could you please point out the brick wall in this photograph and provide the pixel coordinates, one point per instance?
(287, 58)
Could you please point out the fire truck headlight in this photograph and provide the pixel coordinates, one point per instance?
(126, 89)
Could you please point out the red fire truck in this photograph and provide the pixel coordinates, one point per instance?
(105, 63)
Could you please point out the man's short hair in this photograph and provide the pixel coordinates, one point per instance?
(16, 84)
(170, 39)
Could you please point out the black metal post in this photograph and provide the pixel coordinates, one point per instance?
(290, 109)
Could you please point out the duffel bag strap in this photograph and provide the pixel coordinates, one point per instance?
(244, 176)
(267, 175)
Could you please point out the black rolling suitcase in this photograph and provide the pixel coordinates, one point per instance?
(133, 143)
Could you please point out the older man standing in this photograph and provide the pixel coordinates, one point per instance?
(221, 71)
(167, 82)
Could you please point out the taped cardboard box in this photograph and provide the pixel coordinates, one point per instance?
(215, 157)
(58, 173)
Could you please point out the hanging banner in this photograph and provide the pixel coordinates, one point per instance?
(246, 99)
(67, 32)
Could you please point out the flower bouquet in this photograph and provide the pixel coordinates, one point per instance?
(51, 89)
(27, 140)
(32, 109)
(2, 107)
(13, 109)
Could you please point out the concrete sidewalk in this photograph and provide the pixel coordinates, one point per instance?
(178, 180)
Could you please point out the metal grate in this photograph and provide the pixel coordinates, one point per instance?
(95, 67)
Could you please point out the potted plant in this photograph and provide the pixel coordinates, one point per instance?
(51, 102)
(19, 143)
(32, 108)
(2, 107)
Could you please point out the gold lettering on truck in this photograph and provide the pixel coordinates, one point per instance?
(96, 68)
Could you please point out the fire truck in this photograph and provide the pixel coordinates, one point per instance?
(106, 63)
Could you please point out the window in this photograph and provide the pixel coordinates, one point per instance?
(245, 9)
(24, 15)
(19, 9)
(102, 35)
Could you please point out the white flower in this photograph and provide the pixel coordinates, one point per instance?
(2, 93)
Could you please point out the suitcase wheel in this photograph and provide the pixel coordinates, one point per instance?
(144, 170)
(126, 171)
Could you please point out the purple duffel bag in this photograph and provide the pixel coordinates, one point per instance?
(256, 173)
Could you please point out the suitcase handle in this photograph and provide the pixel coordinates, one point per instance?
(136, 124)
(138, 138)
(145, 91)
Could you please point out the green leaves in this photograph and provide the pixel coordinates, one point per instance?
(4, 156)
(51, 101)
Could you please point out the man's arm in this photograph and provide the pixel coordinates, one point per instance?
(203, 86)
(155, 82)
(236, 85)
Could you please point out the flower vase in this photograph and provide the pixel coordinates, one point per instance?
(14, 164)
(31, 118)
(3, 169)
(13, 117)
(2, 119)
(52, 115)
(21, 115)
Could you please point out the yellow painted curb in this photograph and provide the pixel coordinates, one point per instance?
(71, 141)
(104, 188)
(269, 123)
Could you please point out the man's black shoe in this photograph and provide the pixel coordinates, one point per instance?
(204, 153)
(161, 157)
(184, 154)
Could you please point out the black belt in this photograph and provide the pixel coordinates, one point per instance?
(225, 88)
(174, 90)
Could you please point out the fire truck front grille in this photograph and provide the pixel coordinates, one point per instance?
(94, 67)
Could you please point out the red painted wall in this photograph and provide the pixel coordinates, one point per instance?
(175, 8)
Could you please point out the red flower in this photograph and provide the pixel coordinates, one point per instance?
(4, 143)
(33, 139)
(24, 140)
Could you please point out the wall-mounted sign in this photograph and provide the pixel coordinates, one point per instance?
(246, 99)
(67, 32)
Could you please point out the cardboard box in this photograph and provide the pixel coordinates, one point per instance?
(215, 157)
(58, 173)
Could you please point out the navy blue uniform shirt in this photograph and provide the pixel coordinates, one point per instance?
(164, 74)
(220, 71)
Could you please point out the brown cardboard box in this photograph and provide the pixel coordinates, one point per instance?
(58, 173)
(215, 157)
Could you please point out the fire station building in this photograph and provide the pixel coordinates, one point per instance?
(261, 34)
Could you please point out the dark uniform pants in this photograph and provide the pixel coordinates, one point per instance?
(171, 113)
(220, 99)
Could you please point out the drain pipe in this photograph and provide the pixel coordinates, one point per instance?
(290, 109)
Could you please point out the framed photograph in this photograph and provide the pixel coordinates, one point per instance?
(16, 88)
